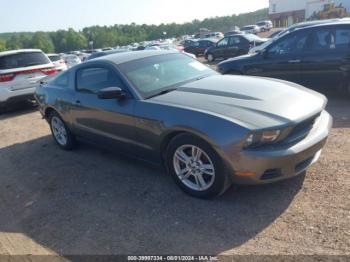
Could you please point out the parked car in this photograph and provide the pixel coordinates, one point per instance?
(232, 46)
(58, 62)
(208, 130)
(265, 25)
(104, 53)
(217, 35)
(188, 42)
(292, 28)
(72, 60)
(251, 29)
(20, 72)
(199, 47)
(316, 56)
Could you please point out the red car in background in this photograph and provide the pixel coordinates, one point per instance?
(198, 48)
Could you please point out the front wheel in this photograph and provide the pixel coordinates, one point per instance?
(61, 134)
(196, 168)
(210, 58)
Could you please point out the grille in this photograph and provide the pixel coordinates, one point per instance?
(271, 174)
(301, 130)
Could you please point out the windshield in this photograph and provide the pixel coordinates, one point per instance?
(155, 74)
(248, 27)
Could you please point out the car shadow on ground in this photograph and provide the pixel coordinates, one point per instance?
(90, 201)
(17, 109)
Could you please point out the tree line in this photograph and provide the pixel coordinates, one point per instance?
(119, 35)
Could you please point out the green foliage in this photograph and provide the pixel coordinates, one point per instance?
(41, 40)
(103, 36)
(2, 45)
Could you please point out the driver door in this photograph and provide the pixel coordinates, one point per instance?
(106, 121)
(283, 59)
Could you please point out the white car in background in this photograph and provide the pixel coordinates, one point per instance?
(58, 62)
(251, 29)
(265, 25)
(72, 60)
(21, 72)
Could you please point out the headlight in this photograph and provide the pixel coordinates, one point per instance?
(263, 137)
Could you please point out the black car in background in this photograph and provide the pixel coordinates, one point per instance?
(199, 47)
(232, 46)
(316, 57)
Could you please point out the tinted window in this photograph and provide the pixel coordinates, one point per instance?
(23, 60)
(289, 45)
(342, 38)
(324, 39)
(234, 41)
(91, 80)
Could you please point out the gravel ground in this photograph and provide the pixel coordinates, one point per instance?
(91, 201)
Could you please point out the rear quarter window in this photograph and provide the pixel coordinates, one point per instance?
(24, 59)
(62, 80)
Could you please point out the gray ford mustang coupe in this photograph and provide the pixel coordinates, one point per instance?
(208, 130)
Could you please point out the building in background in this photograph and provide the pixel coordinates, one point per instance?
(284, 13)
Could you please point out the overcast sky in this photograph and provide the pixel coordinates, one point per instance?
(46, 15)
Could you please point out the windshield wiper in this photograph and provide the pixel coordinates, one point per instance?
(163, 92)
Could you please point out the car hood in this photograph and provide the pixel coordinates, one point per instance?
(252, 102)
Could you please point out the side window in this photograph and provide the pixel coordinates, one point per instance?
(223, 42)
(324, 40)
(234, 41)
(62, 80)
(290, 44)
(91, 80)
(202, 44)
(342, 39)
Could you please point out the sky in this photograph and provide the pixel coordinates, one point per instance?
(50, 15)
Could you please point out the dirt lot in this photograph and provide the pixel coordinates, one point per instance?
(91, 201)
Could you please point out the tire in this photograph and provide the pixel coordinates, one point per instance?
(212, 182)
(60, 132)
(210, 57)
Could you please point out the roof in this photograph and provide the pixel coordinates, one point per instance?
(19, 51)
(339, 22)
(120, 58)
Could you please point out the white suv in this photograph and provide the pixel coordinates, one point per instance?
(265, 25)
(21, 72)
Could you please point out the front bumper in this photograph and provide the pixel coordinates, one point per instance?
(271, 165)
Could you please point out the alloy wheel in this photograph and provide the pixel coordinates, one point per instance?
(59, 130)
(194, 167)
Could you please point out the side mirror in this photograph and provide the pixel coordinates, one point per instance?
(111, 93)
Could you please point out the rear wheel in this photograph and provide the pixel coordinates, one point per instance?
(61, 134)
(196, 168)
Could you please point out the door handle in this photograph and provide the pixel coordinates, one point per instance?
(294, 61)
